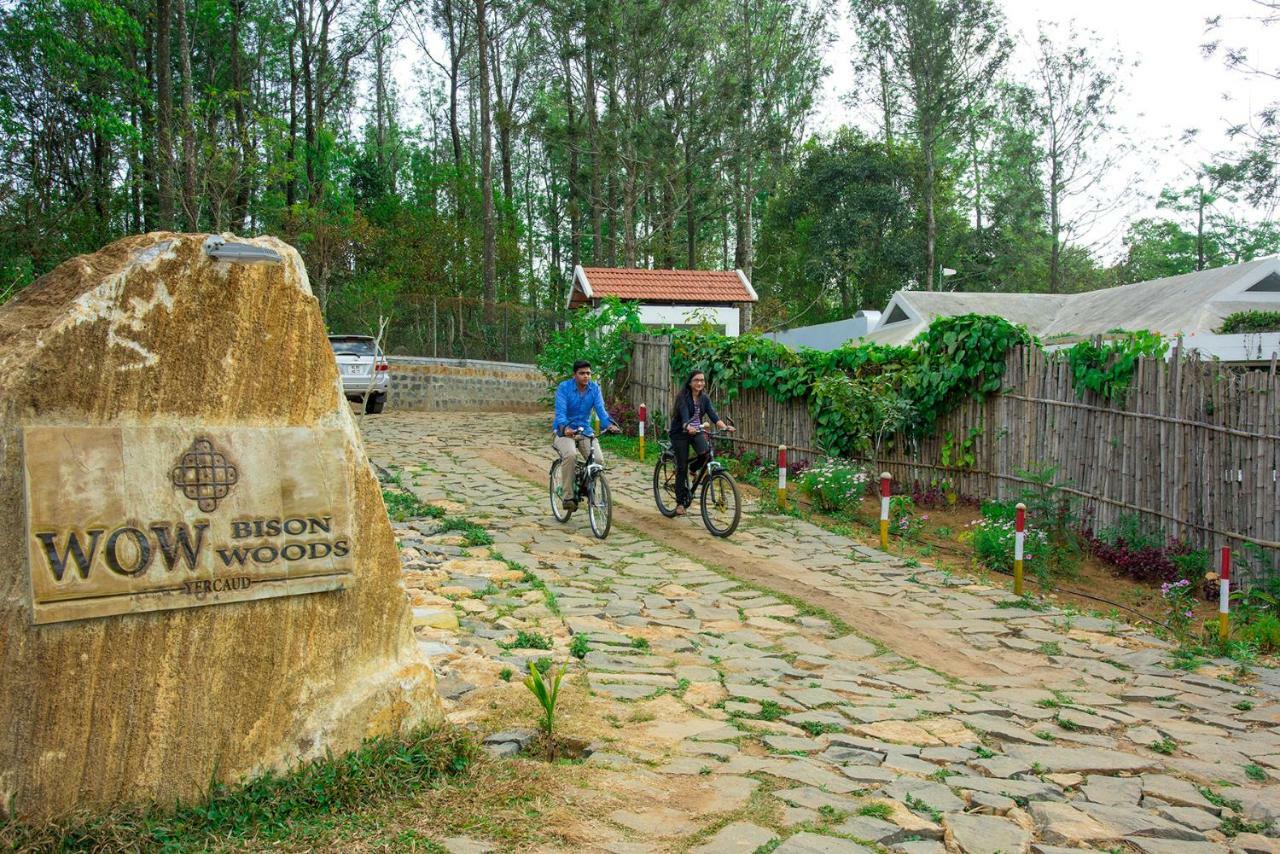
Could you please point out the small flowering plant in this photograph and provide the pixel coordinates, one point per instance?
(833, 486)
(992, 537)
(903, 520)
(1179, 598)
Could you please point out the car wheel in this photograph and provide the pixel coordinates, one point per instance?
(374, 404)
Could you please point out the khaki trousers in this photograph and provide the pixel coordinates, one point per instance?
(568, 448)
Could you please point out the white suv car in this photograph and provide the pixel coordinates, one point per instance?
(366, 376)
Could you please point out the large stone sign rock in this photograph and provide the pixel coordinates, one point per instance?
(197, 576)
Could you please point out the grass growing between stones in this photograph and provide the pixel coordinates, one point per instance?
(308, 803)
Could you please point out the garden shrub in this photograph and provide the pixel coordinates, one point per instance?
(992, 538)
(834, 486)
(1143, 555)
(1250, 321)
(600, 337)
(1263, 630)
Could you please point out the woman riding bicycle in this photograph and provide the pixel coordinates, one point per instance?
(686, 429)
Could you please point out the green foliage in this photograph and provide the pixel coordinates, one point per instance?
(961, 357)
(505, 674)
(546, 690)
(1255, 772)
(876, 810)
(770, 710)
(1250, 321)
(579, 646)
(992, 539)
(834, 486)
(528, 640)
(639, 643)
(817, 728)
(838, 235)
(859, 394)
(472, 534)
(1107, 369)
(600, 337)
(270, 810)
(403, 505)
(1263, 630)
(1165, 745)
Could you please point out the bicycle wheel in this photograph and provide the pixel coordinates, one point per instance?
(599, 506)
(556, 491)
(721, 509)
(664, 485)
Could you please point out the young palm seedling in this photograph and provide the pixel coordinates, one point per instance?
(546, 689)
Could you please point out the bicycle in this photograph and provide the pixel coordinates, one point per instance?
(588, 484)
(718, 498)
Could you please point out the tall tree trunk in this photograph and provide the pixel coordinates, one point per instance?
(150, 201)
(291, 178)
(595, 147)
(690, 219)
(1055, 229)
(164, 111)
(931, 220)
(190, 202)
(240, 206)
(1199, 226)
(486, 166)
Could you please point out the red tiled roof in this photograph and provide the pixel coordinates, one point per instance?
(667, 285)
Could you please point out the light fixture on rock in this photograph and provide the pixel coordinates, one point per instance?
(219, 249)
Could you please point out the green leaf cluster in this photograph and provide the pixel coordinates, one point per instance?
(859, 394)
(1250, 321)
(598, 336)
(1107, 369)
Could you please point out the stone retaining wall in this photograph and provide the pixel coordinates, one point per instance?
(452, 384)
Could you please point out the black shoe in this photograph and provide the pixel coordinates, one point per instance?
(570, 504)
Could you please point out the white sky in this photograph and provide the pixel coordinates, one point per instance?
(1172, 89)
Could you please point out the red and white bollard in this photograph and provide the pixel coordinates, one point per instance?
(1019, 544)
(643, 412)
(1224, 595)
(782, 476)
(886, 488)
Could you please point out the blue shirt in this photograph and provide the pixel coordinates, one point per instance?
(573, 407)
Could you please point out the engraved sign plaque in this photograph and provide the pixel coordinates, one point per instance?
(130, 518)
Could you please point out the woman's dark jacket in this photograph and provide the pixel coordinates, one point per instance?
(684, 412)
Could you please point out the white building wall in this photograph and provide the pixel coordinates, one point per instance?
(727, 316)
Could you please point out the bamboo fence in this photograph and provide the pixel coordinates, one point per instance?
(1193, 450)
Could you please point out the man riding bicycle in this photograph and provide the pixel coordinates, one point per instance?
(576, 397)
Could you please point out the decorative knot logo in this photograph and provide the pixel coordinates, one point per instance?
(204, 475)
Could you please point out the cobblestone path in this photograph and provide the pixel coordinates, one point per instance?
(789, 687)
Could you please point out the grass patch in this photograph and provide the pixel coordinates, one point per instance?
(289, 807)
(817, 728)
(770, 710)
(876, 810)
(579, 646)
(403, 506)
(1218, 800)
(1050, 648)
(1255, 773)
(1165, 745)
(918, 806)
(472, 534)
(1243, 706)
(528, 640)
(1023, 602)
(639, 643)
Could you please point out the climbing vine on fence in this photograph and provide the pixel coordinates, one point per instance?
(859, 394)
(1107, 369)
